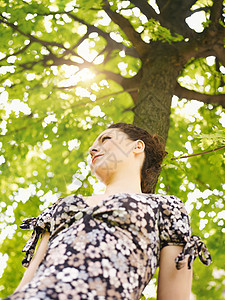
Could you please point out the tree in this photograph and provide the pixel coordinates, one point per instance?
(72, 67)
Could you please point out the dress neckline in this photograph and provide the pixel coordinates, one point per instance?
(108, 198)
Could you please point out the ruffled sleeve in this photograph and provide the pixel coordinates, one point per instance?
(39, 225)
(174, 229)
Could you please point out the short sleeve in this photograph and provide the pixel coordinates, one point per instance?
(174, 229)
(39, 225)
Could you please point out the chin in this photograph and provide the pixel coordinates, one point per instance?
(102, 174)
(102, 177)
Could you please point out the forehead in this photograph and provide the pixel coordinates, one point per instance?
(114, 132)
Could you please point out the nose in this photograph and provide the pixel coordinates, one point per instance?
(93, 150)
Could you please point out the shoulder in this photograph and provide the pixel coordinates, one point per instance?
(169, 202)
(69, 199)
(167, 199)
(68, 202)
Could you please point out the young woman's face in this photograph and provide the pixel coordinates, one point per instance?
(110, 152)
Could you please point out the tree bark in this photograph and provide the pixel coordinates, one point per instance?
(159, 73)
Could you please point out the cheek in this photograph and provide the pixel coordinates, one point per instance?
(107, 163)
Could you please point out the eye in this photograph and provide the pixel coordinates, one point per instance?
(105, 138)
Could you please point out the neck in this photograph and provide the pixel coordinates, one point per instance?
(127, 182)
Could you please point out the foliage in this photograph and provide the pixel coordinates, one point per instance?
(157, 32)
(71, 68)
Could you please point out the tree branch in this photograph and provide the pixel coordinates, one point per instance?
(76, 45)
(126, 83)
(214, 34)
(216, 13)
(202, 46)
(29, 65)
(91, 28)
(200, 153)
(58, 61)
(208, 99)
(146, 9)
(127, 28)
(44, 43)
(107, 51)
(220, 53)
(191, 12)
(16, 53)
(31, 37)
(149, 12)
(173, 14)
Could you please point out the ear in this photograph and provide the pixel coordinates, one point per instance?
(139, 146)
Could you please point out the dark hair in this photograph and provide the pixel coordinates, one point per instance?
(154, 154)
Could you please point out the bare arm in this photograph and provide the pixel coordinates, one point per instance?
(35, 262)
(173, 283)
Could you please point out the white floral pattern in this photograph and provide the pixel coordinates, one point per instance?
(109, 251)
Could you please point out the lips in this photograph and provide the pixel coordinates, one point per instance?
(96, 157)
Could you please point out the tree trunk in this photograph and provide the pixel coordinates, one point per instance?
(159, 73)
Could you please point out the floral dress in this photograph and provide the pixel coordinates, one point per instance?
(110, 251)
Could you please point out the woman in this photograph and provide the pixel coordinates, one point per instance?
(109, 246)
